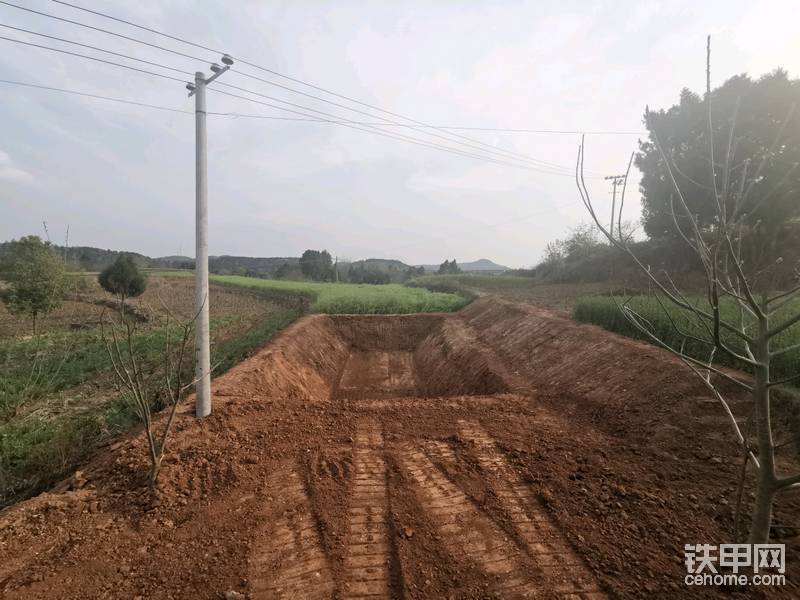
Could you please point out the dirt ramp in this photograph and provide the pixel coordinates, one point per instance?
(304, 363)
(452, 362)
(554, 352)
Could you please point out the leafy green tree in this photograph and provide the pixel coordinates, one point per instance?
(363, 274)
(37, 277)
(317, 265)
(758, 121)
(122, 278)
(412, 272)
(449, 268)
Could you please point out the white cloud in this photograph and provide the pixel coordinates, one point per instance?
(11, 172)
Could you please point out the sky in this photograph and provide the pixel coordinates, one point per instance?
(122, 177)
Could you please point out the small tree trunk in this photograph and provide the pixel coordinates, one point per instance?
(765, 481)
(155, 469)
(762, 511)
(33, 319)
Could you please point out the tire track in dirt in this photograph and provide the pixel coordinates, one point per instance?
(366, 564)
(563, 570)
(464, 530)
(287, 560)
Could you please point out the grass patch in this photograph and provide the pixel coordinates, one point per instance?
(604, 312)
(348, 298)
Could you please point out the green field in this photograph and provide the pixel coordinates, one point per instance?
(603, 311)
(349, 298)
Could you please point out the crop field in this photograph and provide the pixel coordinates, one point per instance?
(603, 311)
(348, 298)
(58, 398)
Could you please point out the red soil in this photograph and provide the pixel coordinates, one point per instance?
(502, 452)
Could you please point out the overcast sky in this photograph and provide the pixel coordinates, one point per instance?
(122, 177)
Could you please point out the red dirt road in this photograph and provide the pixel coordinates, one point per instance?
(501, 452)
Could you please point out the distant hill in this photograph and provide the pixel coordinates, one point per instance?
(89, 258)
(482, 265)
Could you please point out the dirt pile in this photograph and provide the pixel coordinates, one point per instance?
(502, 452)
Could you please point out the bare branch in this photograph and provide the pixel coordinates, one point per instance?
(636, 321)
(784, 326)
(788, 481)
(784, 381)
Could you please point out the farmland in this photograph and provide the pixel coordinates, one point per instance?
(347, 298)
(57, 395)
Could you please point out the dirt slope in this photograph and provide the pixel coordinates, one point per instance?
(501, 452)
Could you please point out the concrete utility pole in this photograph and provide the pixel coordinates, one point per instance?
(615, 181)
(202, 335)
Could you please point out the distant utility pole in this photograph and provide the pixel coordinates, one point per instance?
(615, 181)
(202, 338)
(66, 245)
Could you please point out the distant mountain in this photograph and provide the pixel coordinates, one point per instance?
(482, 265)
(89, 258)
(381, 264)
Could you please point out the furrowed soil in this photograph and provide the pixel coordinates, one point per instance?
(501, 452)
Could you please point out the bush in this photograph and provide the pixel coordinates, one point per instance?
(122, 278)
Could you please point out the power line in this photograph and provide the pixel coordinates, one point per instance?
(562, 169)
(234, 115)
(97, 96)
(121, 55)
(101, 30)
(108, 62)
(372, 129)
(310, 118)
(300, 81)
(543, 168)
(346, 124)
(401, 137)
(417, 124)
(421, 128)
(553, 131)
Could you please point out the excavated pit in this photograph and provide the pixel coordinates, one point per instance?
(412, 356)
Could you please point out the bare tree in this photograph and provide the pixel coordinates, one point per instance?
(749, 338)
(150, 383)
